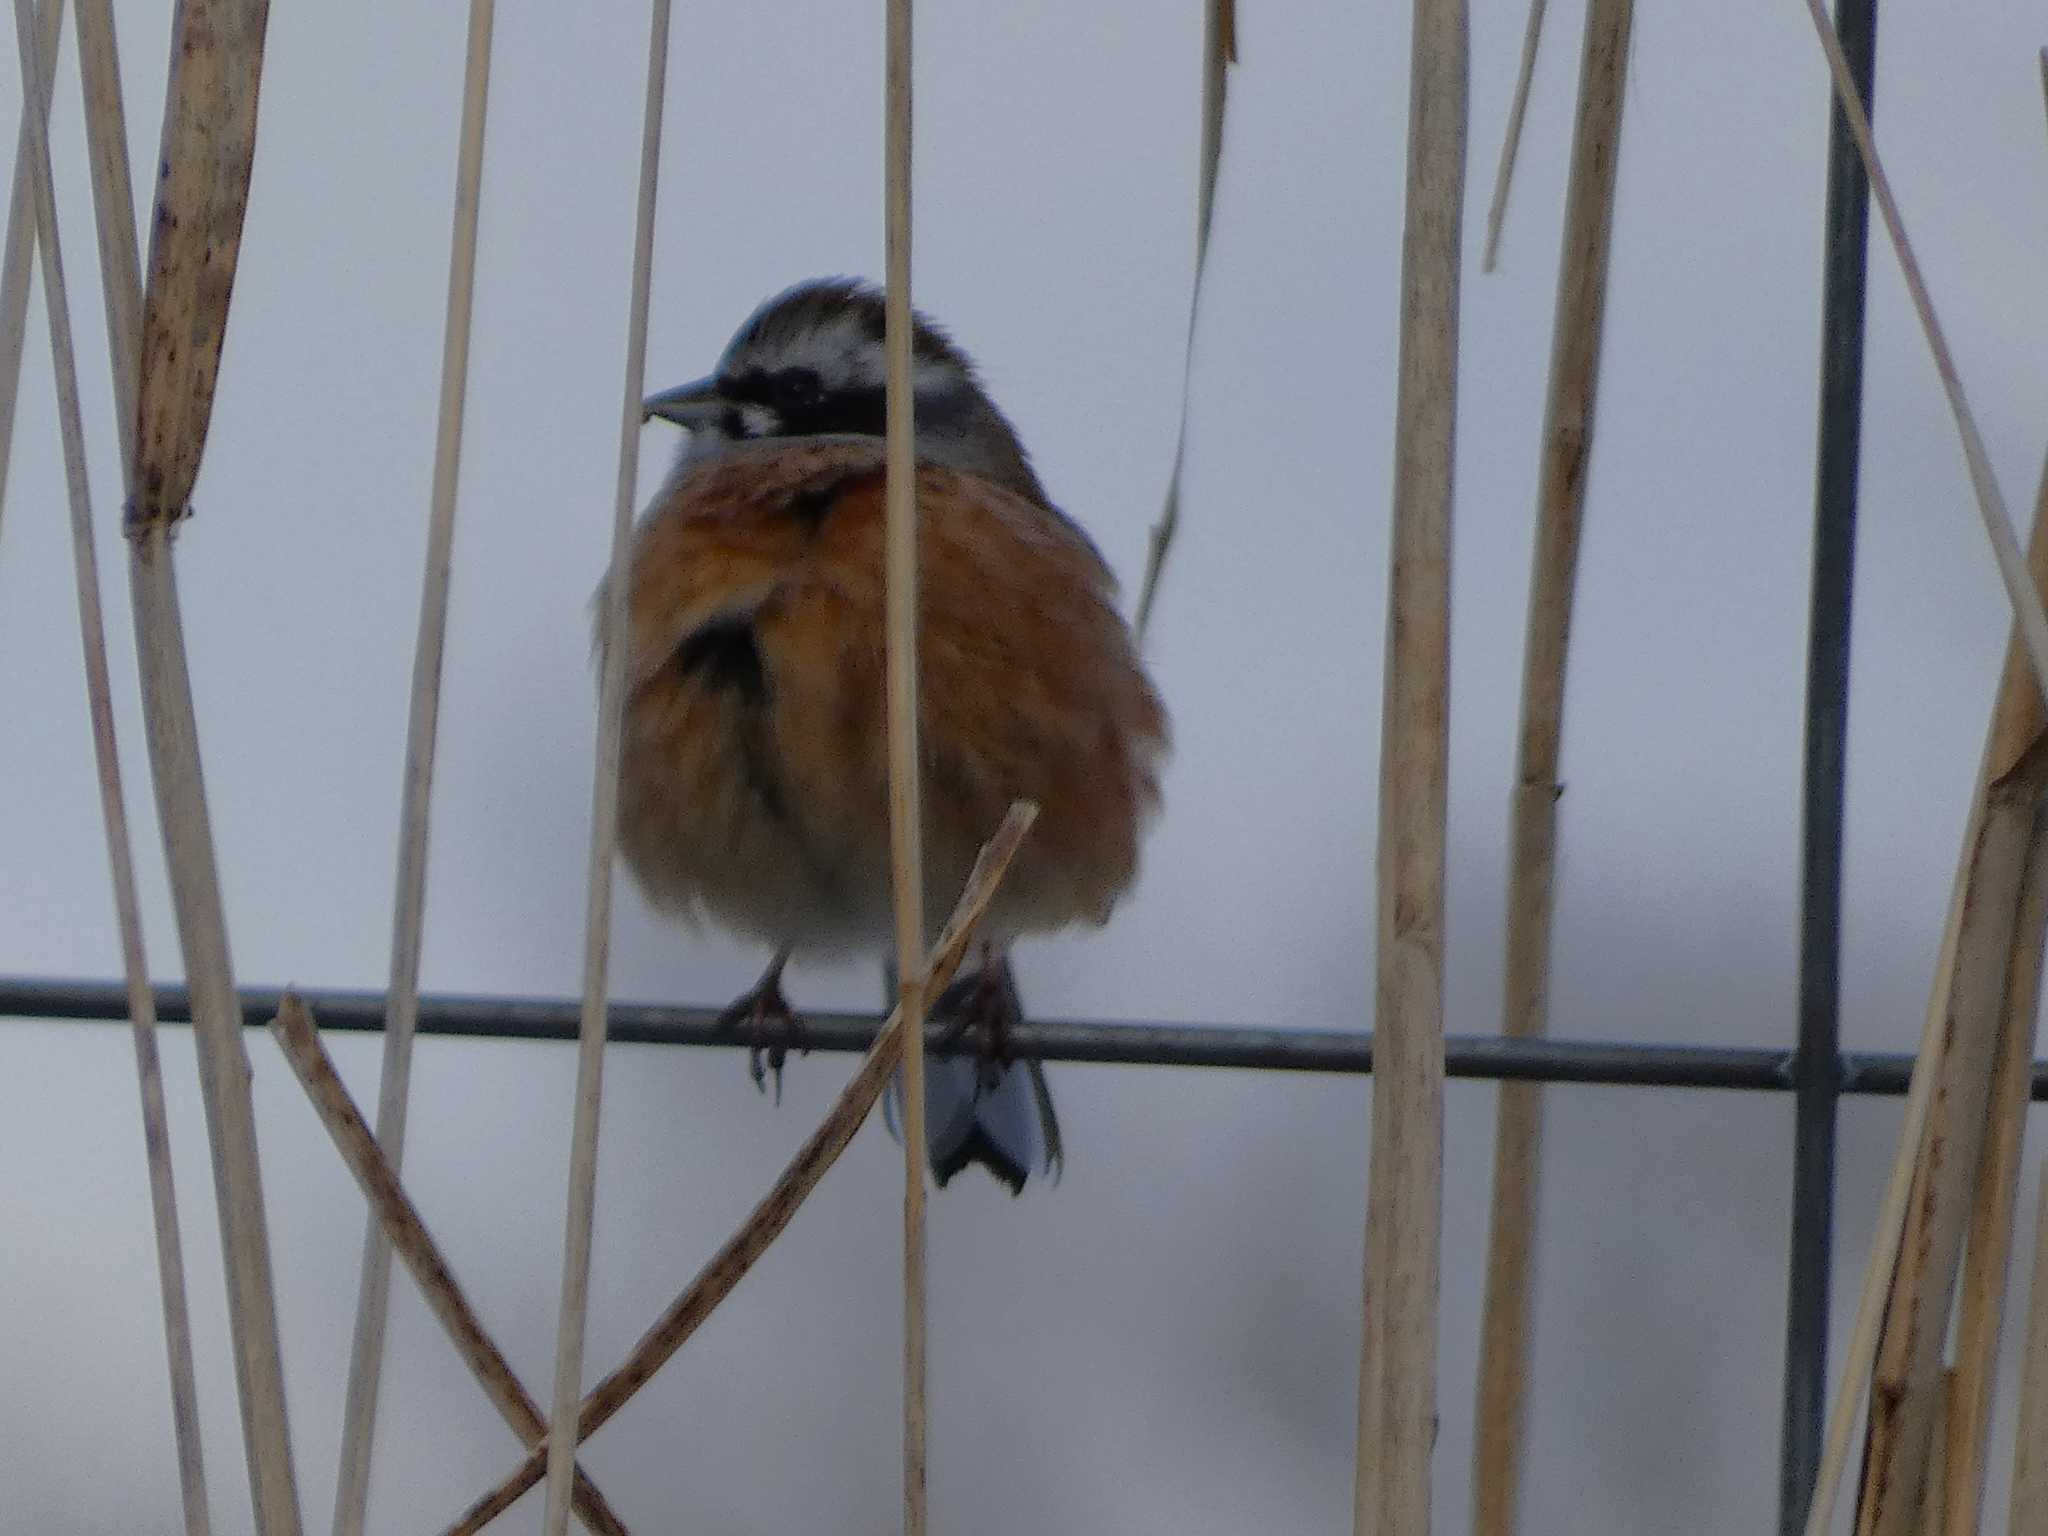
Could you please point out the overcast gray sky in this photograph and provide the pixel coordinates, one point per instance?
(1167, 1341)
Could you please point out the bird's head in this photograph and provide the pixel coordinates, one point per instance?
(810, 362)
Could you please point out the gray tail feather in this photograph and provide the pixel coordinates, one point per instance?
(995, 1113)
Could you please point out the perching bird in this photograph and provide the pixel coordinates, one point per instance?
(755, 757)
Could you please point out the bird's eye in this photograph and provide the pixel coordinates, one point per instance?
(797, 387)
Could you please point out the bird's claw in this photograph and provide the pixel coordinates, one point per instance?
(771, 1028)
(986, 1003)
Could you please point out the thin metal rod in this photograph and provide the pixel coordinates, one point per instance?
(604, 817)
(408, 919)
(1247, 1048)
(1817, 1063)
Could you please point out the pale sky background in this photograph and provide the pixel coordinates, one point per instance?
(1167, 1341)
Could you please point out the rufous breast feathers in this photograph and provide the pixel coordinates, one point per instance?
(755, 779)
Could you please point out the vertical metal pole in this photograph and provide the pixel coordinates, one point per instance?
(1818, 1064)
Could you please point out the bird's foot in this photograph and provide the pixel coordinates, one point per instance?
(986, 1003)
(771, 1028)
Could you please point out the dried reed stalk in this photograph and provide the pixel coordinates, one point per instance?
(408, 921)
(906, 816)
(2020, 718)
(166, 344)
(1934, 1490)
(1561, 500)
(726, 1268)
(2029, 626)
(2030, 1446)
(1980, 1007)
(1891, 1219)
(604, 813)
(1219, 52)
(106, 135)
(398, 1219)
(38, 218)
(1404, 1226)
(1511, 140)
(19, 251)
(2026, 602)
(1906, 1381)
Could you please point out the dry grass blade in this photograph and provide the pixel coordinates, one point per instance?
(1907, 1372)
(906, 815)
(202, 194)
(17, 260)
(2026, 602)
(1511, 140)
(1884, 1250)
(726, 1268)
(165, 395)
(1561, 500)
(2020, 720)
(1219, 52)
(113, 205)
(38, 216)
(2030, 1446)
(373, 1296)
(1974, 1001)
(1891, 1218)
(604, 813)
(1404, 1229)
(399, 1219)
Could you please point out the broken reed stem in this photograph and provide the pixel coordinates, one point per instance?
(399, 1221)
(1511, 139)
(38, 219)
(15, 263)
(2030, 1446)
(1884, 1247)
(1966, 1437)
(604, 814)
(1906, 1381)
(2026, 602)
(1987, 1257)
(727, 1267)
(2006, 739)
(1561, 499)
(408, 921)
(906, 816)
(1404, 1230)
(1219, 52)
(165, 343)
(1977, 1000)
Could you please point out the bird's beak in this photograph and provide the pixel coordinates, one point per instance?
(696, 404)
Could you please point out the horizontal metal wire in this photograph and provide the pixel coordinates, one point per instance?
(1259, 1048)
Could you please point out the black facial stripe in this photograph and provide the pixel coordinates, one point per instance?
(751, 388)
(861, 410)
